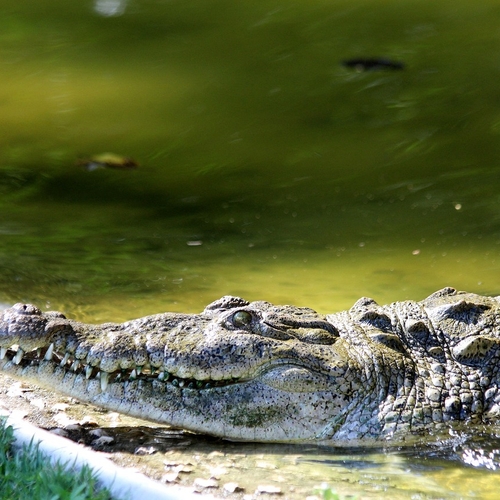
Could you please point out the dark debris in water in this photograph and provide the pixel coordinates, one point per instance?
(372, 64)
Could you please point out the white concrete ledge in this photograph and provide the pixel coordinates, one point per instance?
(123, 484)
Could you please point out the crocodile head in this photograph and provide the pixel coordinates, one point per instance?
(261, 372)
(240, 370)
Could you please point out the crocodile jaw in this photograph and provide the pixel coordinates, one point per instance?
(189, 371)
(262, 409)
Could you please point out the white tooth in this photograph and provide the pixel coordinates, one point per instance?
(75, 365)
(19, 356)
(104, 380)
(50, 351)
(3, 352)
(64, 360)
(88, 371)
(133, 375)
(139, 369)
(161, 376)
(38, 352)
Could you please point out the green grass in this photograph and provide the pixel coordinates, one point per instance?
(324, 492)
(27, 473)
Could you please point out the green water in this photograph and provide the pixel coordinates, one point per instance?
(304, 181)
(267, 169)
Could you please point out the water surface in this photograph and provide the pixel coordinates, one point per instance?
(267, 168)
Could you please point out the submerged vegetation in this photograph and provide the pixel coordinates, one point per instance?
(325, 492)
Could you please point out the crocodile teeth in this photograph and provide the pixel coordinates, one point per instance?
(64, 360)
(50, 351)
(133, 375)
(104, 380)
(88, 371)
(75, 365)
(18, 357)
(138, 369)
(3, 352)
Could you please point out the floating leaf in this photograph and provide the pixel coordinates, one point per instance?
(107, 160)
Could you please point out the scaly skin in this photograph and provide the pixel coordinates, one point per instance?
(260, 372)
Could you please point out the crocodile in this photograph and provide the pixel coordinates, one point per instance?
(254, 371)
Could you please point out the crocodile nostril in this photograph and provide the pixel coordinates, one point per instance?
(26, 309)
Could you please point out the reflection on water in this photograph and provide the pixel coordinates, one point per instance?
(267, 168)
(110, 7)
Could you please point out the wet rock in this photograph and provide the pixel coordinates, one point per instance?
(268, 488)
(97, 433)
(38, 403)
(103, 441)
(202, 484)
(89, 421)
(59, 407)
(64, 420)
(215, 454)
(59, 432)
(73, 427)
(170, 477)
(179, 467)
(216, 472)
(232, 487)
(18, 389)
(145, 450)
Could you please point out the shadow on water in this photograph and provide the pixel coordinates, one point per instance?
(389, 468)
(480, 449)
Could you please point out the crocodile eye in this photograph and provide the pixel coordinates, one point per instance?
(241, 318)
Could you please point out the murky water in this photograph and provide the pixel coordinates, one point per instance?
(267, 169)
